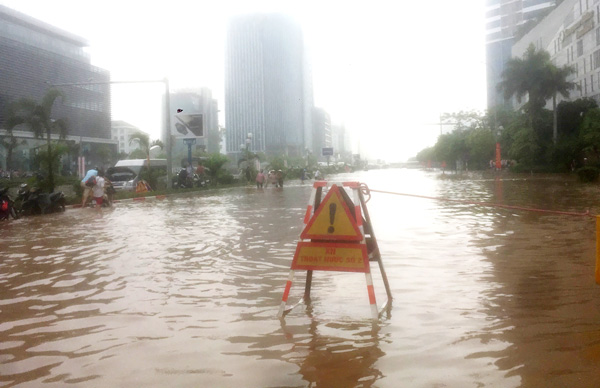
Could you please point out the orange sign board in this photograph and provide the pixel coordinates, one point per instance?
(344, 257)
(332, 220)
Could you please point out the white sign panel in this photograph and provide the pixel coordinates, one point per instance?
(188, 125)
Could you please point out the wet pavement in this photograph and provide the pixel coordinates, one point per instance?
(184, 292)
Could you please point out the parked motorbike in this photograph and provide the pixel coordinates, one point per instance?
(7, 206)
(32, 201)
(182, 180)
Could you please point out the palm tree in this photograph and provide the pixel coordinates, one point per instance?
(537, 77)
(37, 117)
(143, 140)
(557, 83)
(527, 76)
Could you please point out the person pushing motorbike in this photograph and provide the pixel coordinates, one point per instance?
(87, 186)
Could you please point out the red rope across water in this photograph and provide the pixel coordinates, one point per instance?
(367, 192)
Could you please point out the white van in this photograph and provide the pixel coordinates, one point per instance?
(125, 175)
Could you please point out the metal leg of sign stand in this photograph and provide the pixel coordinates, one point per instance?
(313, 203)
(371, 240)
(376, 253)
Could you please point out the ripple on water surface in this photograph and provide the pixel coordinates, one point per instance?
(184, 291)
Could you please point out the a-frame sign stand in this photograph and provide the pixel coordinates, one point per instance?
(338, 236)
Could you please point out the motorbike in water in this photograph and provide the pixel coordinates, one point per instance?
(32, 201)
(183, 180)
(7, 206)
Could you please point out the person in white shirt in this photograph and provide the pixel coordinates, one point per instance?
(98, 189)
(87, 190)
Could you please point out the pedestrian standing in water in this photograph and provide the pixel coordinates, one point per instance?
(87, 190)
(260, 179)
(98, 190)
(303, 175)
(279, 178)
(317, 175)
(272, 178)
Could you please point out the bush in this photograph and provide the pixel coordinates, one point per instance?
(588, 174)
(225, 177)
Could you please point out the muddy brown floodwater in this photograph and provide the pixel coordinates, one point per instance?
(184, 292)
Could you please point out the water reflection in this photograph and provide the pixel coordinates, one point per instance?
(545, 305)
(344, 358)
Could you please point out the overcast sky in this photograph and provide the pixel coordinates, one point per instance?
(384, 68)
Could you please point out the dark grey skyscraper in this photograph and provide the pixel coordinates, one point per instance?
(267, 86)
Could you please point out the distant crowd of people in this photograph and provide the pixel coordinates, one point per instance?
(275, 178)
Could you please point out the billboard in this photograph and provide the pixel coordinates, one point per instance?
(187, 125)
(327, 151)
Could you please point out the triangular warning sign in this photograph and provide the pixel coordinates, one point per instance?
(332, 220)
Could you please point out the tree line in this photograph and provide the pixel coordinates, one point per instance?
(559, 138)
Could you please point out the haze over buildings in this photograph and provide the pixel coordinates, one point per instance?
(268, 97)
(364, 69)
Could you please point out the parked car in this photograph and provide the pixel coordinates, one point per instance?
(126, 174)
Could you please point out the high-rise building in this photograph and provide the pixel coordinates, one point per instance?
(34, 56)
(340, 141)
(321, 132)
(268, 96)
(198, 101)
(571, 34)
(506, 22)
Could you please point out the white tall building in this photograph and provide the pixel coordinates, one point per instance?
(268, 92)
(121, 131)
(571, 34)
(506, 22)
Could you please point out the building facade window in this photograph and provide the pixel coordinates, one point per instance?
(579, 48)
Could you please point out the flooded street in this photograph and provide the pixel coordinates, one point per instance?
(184, 292)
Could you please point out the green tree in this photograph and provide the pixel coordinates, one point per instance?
(525, 146)
(590, 135)
(481, 145)
(143, 141)
(10, 143)
(535, 76)
(38, 118)
(52, 160)
(277, 163)
(426, 155)
(214, 164)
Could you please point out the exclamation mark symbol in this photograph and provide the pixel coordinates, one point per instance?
(332, 208)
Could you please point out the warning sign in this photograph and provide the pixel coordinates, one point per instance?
(345, 257)
(332, 220)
